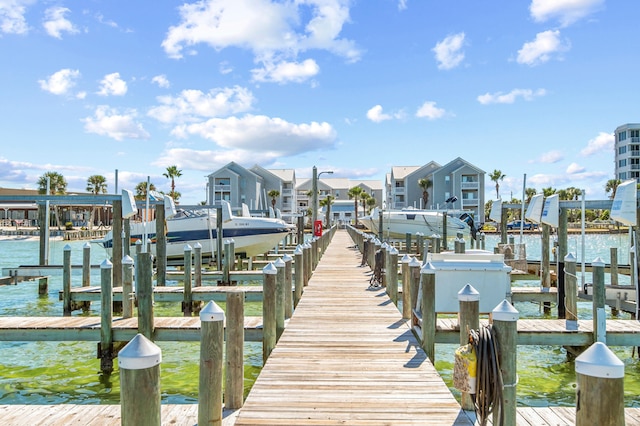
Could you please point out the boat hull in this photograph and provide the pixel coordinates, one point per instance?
(399, 224)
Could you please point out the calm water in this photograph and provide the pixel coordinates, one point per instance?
(51, 373)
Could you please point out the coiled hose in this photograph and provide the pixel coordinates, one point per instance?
(488, 396)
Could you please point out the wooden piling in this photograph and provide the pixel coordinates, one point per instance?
(66, 280)
(86, 265)
(144, 290)
(505, 325)
(599, 314)
(469, 302)
(161, 247)
(406, 287)
(280, 297)
(571, 293)
(299, 271)
(226, 265)
(614, 265)
(106, 317)
(288, 282)
(269, 273)
(116, 253)
(211, 360)
(428, 308)
(414, 282)
(392, 271)
(197, 257)
(188, 296)
(139, 363)
(234, 360)
(127, 287)
(600, 387)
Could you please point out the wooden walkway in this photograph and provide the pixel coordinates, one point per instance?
(347, 357)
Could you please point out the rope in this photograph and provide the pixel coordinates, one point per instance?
(488, 396)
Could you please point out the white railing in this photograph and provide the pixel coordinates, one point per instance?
(219, 188)
(469, 185)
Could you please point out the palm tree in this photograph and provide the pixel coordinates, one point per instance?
(371, 202)
(57, 186)
(96, 184)
(612, 186)
(328, 200)
(549, 191)
(425, 184)
(495, 176)
(173, 173)
(354, 193)
(364, 197)
(274, 194)
(529, 193)
(141, 190)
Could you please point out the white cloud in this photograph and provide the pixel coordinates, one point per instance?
(60, 82)
(191, 105)
(603, 142)
(542, 48)
(55, 22)
(376, 115)
(12, 19)
(108, 122)
(566, 11)
(549, 157)
(225, 68)
(112, 84)
(574, 168)
(262, 133)
(448, 52)
(509, 98)
(161, 81)
(284, 72)
(270, 29)
(207, 160)
(402, 4)
(430, 110)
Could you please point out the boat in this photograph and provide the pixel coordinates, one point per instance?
(398, 223)
(251, 235)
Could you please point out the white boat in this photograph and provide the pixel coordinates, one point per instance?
(251, 235)
(398, 223)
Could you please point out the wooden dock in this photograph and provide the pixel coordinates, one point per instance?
(347, 357)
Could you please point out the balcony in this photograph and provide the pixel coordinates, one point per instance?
(469, 185)
(469, 202)
(398, 190)
(634, 153)
(287, 192)
(221, 188)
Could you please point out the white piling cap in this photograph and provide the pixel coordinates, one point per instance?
(406, 258)
(86, 246)
(428, 268)
(393, 251)
(598, 262)
(127, 260)
(187, 247)
(414, 262)
(505, 312)
(384, 245)
(197, 245)
(139, 353)
(436, 236)
(287, 258)
(270, 269)
(298, 250)
(468, 294)
(67, 247)
(569, 257)
(419, 233)
(279, 263)
(599, 361)
(211, 312)
(106, 264)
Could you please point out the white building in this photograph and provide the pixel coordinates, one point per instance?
(627, 151)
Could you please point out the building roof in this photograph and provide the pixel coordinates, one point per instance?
(400, 172)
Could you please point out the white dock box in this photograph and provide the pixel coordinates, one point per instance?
(485, 271)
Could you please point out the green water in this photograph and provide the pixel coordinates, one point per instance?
(68, 372)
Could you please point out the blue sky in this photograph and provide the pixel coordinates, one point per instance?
(535, 87)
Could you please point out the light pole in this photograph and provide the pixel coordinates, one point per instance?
(314, 194)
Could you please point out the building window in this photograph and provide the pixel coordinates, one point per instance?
(399, 184)
(447, 179)
(622, 163)
(635, 133)
(622, 135)
(622, 176)
(622, 149)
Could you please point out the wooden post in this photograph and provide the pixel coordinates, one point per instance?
(614, 265)
(406, 287)
(307, 263)
(436, 243)
(419, 244)
(211, 359)
(444, 232)
(299, 272)
(161, 247)
(66, 280)
(505, 325)
(234, 378)
(126, 226)
(414, 283)
(43, 222)
(392, 270)
(469, 301)
(600, 387)
(144, 291)
(226, 263)
(269, 273)
(219, 237)
(599, 314)
(197, 257)
(482, 242)
(300, 230)
(139, 363)
(383, 267)
(503, 226)
(280, 297)
(428, 308)
(86, 265)
(571, 293)
(127, 286)
(188, 296)
(545, 275)
(407, 242)
(288, 294)
(106, 317)
(116, 254)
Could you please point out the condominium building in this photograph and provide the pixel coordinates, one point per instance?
(627, 152)
(458, 181)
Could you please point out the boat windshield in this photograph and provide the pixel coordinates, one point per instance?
(185, 214)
